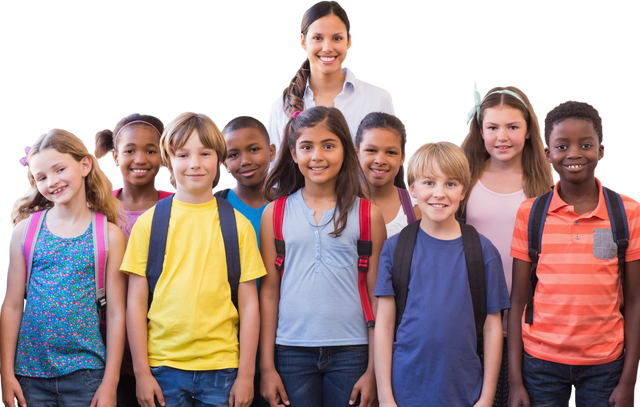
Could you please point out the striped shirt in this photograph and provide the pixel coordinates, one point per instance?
(576, 312)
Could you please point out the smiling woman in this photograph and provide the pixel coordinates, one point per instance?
(321, 80)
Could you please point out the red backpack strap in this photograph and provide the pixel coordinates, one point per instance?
(278, 219)
(364, 252)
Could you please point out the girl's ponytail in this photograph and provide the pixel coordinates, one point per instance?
(104, 142)
(106, 139)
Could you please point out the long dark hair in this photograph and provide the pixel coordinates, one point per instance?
(286, 178)
(292, 97)
(379, 120)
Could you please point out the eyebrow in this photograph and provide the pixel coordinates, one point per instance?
(508, 124)
(323, 141)
(134, 145)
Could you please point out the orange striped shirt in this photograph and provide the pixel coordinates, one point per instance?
(576, 306)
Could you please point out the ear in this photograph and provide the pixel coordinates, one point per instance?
(402, 160)
(272, 152)
(87, 164)
(600, 152)
(225, 166)
(114, 153)
(349, 42)
(547, 154)
(293, 154)
(301, 45)
(412, 191)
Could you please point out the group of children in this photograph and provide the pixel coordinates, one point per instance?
(320, 279)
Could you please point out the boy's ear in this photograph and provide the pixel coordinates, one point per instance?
(272, 152)
(225, 165)
(412, 191)
(86, 164)
(547, 154)
(600, 152)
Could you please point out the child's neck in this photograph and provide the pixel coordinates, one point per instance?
(386, 198)
(251, 195)
(138, 198)
(326, 87)
(447, 229)
(583, 197)
(502, 177)
(194, 197)
(71, 219)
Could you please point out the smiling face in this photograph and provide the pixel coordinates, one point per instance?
(248, 156)
(194, 168)
(504, 131)
(138, 154)
(326, 43)
(319, 155)
(574, 150)
(380, 155)
(438, 196)
(59, 177)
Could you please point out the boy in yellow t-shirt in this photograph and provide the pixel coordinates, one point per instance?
(185, 344)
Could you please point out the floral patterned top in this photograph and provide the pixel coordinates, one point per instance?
(60, 330)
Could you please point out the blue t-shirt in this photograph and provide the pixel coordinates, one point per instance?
(254, 215)
(435, 360)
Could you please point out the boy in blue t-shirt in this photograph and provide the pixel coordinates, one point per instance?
(433, 360)
(249, 154)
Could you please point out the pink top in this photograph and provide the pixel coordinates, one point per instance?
(494, 216)
(134, 215)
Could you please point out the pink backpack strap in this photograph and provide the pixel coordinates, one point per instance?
(116, 192)
(29, 239)
(164, 194)
(99, 231)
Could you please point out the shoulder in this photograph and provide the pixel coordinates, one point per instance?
(114, 232)
(489, 250)
(18, 230)
(630, 204)
(367, 88)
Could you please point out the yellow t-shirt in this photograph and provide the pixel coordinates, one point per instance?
(193, 324)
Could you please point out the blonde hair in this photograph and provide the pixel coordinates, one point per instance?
(441, 158)
(97, 186)
(177, 133)
(536, 171)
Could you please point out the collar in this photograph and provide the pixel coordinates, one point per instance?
(349, 79)
(600, 211)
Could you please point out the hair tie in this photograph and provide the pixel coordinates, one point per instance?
(297, 112)
(475, 111)
(115, 139)
(23, 160)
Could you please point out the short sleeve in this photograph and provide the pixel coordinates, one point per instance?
(135, 257)
(384, 284)
(520, 241)
(387, 106)
(496, 285)
(632, 209)
(251, 264)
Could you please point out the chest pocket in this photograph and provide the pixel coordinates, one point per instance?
(338, 256)
(604, 248)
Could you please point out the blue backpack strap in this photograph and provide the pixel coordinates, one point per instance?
(222, 193)
(158, 242)
(619, 229)
(407, 208)
(537, 218)
(229, 229)
(475, 272)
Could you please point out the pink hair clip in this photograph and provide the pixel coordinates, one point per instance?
(23, 160)
(297, 112)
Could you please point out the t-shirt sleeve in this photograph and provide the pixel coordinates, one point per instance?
(388, 104)
(251, 264)
(135, 258)
(384, 284)
(520, 241)
(496, 285)
(632, 209)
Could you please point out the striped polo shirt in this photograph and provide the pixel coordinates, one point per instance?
(576, 312)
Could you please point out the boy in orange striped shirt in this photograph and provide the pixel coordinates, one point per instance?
(578, 336)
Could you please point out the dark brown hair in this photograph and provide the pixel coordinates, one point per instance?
(292, 97)
(105, 138)
(536, 171)
(286, 178)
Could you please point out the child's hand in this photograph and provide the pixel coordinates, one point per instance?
(388, 404)
(483, 403)
(241, 394)
(106, 395)
(518, 396)
(622, 395)
(272, 389)
(11, 390)
(366, 387)
(146, 389)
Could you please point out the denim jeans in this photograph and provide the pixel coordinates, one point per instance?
(71, 390)
(549, 384)
(324, 376)
(182, 388)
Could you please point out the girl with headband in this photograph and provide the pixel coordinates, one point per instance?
(508, 166)
(135, 146)
(321, 80)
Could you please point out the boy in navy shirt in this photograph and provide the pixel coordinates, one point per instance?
(433, 360)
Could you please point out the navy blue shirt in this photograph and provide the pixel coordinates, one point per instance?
(435, 360)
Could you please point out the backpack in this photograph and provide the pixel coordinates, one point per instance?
(474, 259)
(537, 218)
(407, 208)
(158, 244)
(222, 193)
(99, 233)
(364, 250)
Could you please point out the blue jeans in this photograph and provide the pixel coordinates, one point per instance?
(71, 390)
(182, 388)
(317, 377)
(549, 384)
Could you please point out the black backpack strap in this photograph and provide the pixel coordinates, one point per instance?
(158, 243)
(537, 218)
(222, 193)
(619, 229)
(402, 268)
(475, 271)
(229, 229)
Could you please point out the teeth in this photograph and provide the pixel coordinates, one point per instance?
(576, 166)
(327, 59)
(379, 171)
(58, 190)
(318, 168)
(438, 205)
(140, 171)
